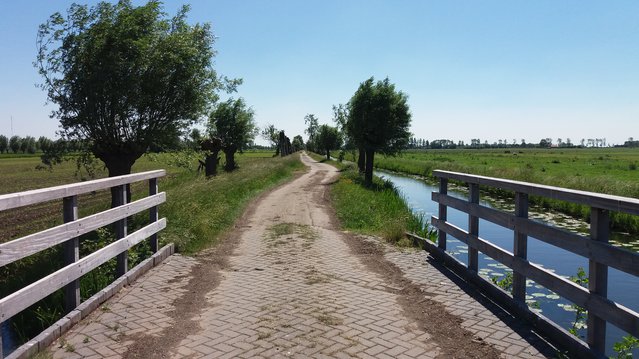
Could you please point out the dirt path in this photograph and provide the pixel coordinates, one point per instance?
(285, 283)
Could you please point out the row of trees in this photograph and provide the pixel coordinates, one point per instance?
(31, 145)
(18, 144)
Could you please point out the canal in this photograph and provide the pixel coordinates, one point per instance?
(623, 288)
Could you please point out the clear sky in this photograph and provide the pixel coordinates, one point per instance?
(492, 70)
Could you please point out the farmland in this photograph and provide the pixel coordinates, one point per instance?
(602, 170)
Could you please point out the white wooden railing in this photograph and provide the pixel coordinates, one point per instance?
(67, 235)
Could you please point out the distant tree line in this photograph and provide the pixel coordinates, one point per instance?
(31, 145)
(420, 143)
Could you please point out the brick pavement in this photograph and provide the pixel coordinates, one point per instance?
(292, 289)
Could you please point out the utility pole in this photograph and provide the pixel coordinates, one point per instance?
(11, 126)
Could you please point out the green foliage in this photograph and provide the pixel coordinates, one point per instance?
(505, 283)
(311, 130)
(28, 145)
(327, 139)
(15, 142)
(232, 122)
(580, 313)
(297, 143)
(625, 347)
(379, 118)
(126, 77)
(378, 121)
(4, 144)
(271, 134)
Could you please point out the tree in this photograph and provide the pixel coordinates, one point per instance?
(126, 78)
(327, 139)
(4, 144)
(211, 147)
(44, 143)
(298, 143)
(379, 120)
(272, 135)
(232, 122)
(313, 126)
(15, 142)
(195, 139)
(28, 145)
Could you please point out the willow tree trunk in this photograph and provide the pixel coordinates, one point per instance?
(118, 165)
(368, 174)
(229, 154)
(361, 160)
(210, 164)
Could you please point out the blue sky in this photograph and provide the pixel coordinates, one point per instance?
(472, 69)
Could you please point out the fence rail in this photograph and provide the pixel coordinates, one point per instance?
(595, 248)
(67, 235)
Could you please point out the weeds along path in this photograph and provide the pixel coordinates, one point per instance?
(285, 283)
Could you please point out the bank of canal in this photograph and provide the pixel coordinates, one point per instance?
(623, 288)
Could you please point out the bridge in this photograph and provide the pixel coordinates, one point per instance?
(286, 282)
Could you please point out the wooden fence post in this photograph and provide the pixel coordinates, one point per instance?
(153, 214)
(443, 213)
(120, 232)
(473, 228)
(520, 247)
(71, 250)
(598, 278)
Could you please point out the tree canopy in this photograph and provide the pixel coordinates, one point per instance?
(313, 126)
(126, 78)
(232, 122)
(378, 120)
(4, 144)
(328, 138)
(298, 143)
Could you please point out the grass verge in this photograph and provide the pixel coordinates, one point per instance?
(377, 210)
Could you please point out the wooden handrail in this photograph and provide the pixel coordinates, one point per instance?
(595, 248)
(591, 199)
(67, 234)
(21, 199)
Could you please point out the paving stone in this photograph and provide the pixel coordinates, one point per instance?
(301, 294)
